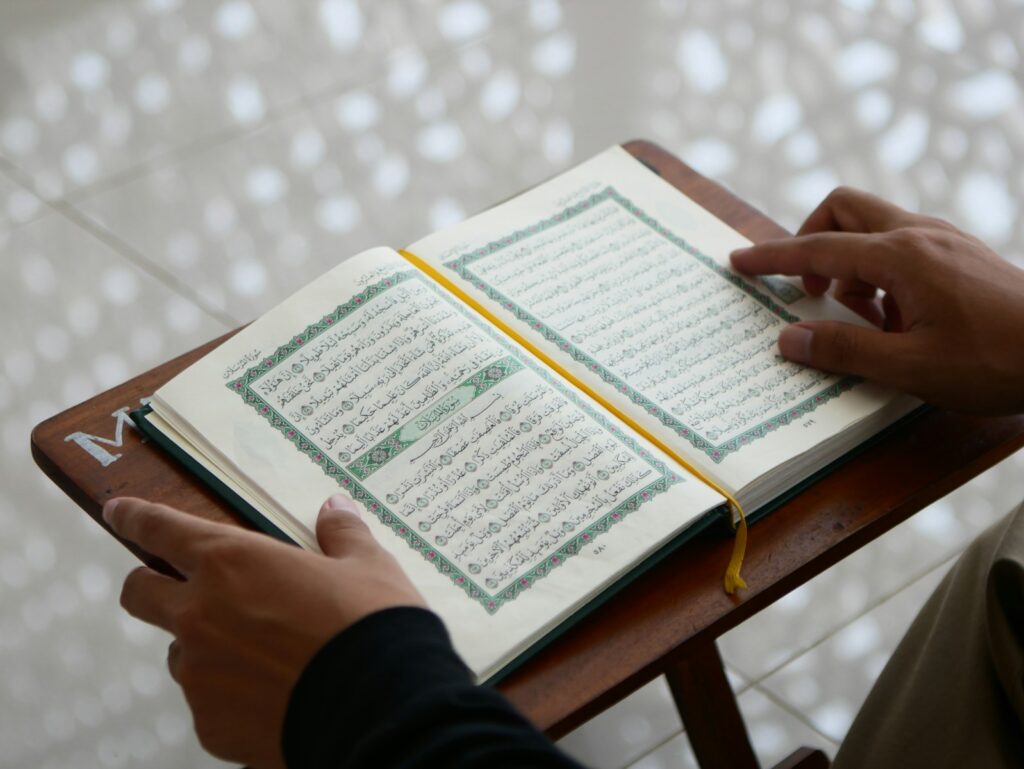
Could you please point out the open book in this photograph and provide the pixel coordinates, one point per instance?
(515, 402)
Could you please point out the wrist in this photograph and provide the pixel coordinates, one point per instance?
(359, 678)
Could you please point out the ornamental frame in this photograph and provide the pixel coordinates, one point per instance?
(785, 291)
(490, 600)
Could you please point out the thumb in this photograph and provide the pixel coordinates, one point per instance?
(340, 527)
(844, 348)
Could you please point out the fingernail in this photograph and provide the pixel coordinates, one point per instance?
(737, 256)
(795, 343)
(108, 508)
(339, 503)
(739, 253)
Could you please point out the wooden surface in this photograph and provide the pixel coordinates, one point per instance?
(713, 712)
(677, 608)
(139, 469)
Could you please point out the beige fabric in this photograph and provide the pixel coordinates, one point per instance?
(953, 693)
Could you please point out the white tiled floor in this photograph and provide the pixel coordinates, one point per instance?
(828, 683)
(775, 731)
(625, 731)
(169, 168)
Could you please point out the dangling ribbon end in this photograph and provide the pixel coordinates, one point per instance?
(733, 581)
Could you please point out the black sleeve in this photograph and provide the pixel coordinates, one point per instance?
(391, 692)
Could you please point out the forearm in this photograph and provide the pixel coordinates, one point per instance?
(391, 692)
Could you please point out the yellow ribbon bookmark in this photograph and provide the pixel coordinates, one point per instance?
(732, 581)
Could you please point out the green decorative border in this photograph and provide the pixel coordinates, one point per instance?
(491, 602)
(717, 452)
(781, 288)
(373, 460)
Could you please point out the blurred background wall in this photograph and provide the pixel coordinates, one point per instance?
(172, 168)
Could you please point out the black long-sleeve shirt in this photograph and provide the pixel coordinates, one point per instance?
(390, 691)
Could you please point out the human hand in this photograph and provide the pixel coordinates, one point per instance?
(251, 612)
(949, 327)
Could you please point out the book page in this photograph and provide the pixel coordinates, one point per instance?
(625, 282)
(508, 497)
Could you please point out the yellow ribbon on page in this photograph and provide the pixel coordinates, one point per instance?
(732, 581)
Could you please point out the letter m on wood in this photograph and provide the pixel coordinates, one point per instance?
(94, 444)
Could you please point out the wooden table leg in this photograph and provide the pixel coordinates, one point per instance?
(708, 708)
(804, 758)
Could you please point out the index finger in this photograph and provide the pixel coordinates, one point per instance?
(841, 255)
(160, 530)
(848, 210)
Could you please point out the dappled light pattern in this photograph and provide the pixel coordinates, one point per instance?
(918, 102)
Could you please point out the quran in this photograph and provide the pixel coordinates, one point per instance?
(529, 407)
